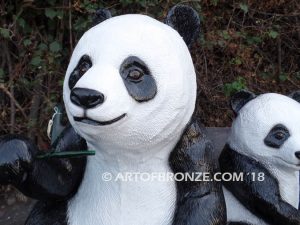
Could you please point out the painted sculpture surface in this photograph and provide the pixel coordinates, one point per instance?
(129, 93)
(264, 145)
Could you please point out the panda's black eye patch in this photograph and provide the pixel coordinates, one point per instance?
(277, 136)
(137, 78)
(84, 64)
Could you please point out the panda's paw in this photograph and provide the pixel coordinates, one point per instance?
(16, 156)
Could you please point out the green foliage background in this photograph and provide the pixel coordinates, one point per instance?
(242, 44)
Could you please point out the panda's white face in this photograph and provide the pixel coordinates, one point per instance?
(268, 128)
(130, 84)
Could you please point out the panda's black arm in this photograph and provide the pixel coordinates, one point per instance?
(198, 202)
(261, 197)
(42, 179)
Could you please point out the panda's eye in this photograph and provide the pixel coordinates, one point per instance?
(135, 75)
(138, 79)
(133, 69)
(82, 67)
(277, 136)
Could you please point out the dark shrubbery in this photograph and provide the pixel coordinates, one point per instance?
(243, 44)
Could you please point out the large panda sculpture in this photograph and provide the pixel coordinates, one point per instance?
(129, 92)
(264, 145)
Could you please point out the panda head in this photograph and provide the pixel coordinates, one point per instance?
(267, 128)
(130, 83)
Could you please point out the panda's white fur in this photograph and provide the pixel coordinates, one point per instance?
(143, 140)
(249, 129)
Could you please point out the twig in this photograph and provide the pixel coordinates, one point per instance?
(266, 58)
(230, 20)
(276, 14)
(70, 26)
(292, 82)
(16, 17)
(55, 7)
(35, 107)
(11, 87)
(205, 62)
(298, 30)
(12, 98)
(279, 55)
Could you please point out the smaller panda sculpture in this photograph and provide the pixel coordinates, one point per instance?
(264, 146)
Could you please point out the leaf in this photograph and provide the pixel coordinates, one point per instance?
(42, 47)
(55, 46)
(21, 22)
(253, 40)
(27, 42)
(5, 33)
(61, 83)
(235, 86)
(236, 61)
(225, 35)
(81, 24)
(215, 2)
(60, 14)
(50, 13)
(36, 61)
(126, 2)
(221, 43)
(283, 77)
(50, 59)
(257, 40)
(244, 7)
(297, 74)
(265, 75)
(273, 34)
(1, 73)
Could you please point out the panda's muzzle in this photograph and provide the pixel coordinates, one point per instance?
(297, 154)
(86, 98)
(98, 123)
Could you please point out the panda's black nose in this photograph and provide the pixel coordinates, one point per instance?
(297, 154)
(86, 98)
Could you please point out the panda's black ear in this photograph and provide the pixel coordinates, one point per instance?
(186, 21)
(101, 15)
(239, 99)
(295, 95)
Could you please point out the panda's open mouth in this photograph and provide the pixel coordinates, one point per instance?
(98, 123)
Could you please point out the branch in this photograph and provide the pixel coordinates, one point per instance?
(11, 80)
(279, 55)
(12, 98)
(275, 14)
(70, 26)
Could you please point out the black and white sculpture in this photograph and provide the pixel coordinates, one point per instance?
(129, 92)
(264, 145)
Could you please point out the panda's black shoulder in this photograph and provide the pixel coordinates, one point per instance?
(198, 201)
(48, 213)
(258, 190)
(233, 162)
(192, 148)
